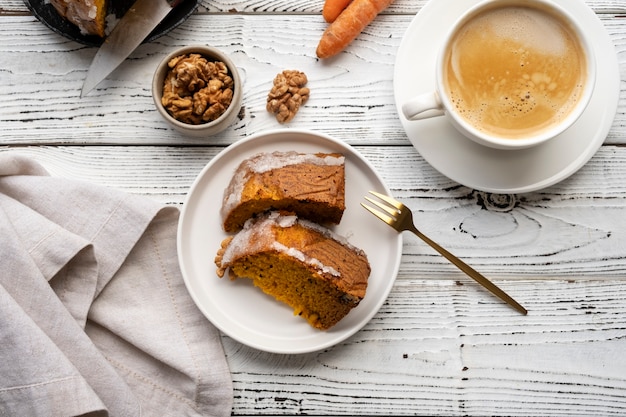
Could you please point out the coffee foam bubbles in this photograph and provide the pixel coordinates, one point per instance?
(529, 27)
(514, 70)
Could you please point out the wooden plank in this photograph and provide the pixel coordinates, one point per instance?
(42, 75)
(436, 348)
(575, 229)
(306, 6)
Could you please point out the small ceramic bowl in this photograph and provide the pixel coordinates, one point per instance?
(204, 129)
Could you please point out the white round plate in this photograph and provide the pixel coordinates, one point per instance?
(492, 170)
(239, 309)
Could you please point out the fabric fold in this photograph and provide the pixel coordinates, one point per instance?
(90, 280)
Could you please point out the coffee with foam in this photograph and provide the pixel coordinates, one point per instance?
(514, 71)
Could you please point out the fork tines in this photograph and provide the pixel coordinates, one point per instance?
(389, 213)
(387, 200)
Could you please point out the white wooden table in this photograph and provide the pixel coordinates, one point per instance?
(440, 344)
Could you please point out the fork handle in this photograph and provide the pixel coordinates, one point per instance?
(477, 276)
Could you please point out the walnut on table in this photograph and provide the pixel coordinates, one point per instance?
(197, 90)
(287, 95)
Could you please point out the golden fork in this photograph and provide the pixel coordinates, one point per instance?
(400, 217)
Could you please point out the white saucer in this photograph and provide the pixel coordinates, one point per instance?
(238, 308)
(488, 169)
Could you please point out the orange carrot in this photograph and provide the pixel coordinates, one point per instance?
(333, 8)
(349, 25)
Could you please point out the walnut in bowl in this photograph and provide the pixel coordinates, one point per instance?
(197, 89)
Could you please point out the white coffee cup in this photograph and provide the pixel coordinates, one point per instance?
(510, 74)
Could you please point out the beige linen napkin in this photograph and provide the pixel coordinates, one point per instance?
(94, 314)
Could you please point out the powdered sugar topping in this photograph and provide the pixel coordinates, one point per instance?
(265, 161)
(251, 240)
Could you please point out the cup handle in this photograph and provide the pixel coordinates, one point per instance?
(423, 106)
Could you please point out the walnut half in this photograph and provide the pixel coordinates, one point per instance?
(287, 95)
(197, 90)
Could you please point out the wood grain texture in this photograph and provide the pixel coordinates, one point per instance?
(121, 110)
(440, 345)
(346, 100)
(574, 230)
(436, 348)
(306, 6)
